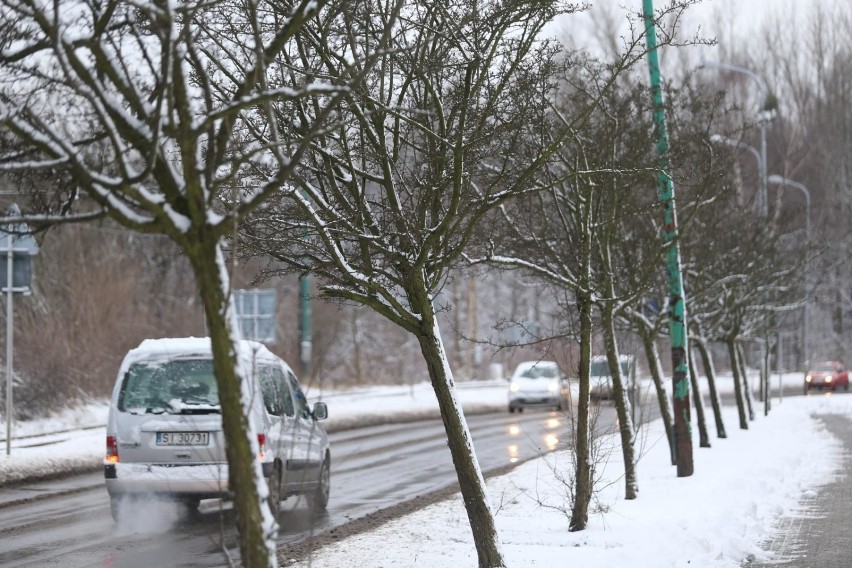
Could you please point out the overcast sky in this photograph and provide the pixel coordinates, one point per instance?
(744, 16)
(748, 12)
(720, 19)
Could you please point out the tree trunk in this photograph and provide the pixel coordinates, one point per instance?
(738, 389)
(746, 386)
(245, 477)
(471, 481)
(584, 475)
(710, 371)
(767, 399)
(656, 369)
(703, 438)
(356, 347)
(622, 405)
(583, 468)
(619, 395)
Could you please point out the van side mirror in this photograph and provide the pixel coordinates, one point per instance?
(320, 411)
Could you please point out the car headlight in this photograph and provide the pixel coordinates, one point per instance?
(828, 378)
(514, 387)
(807, 378)
(553, 387)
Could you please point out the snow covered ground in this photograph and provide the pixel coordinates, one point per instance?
(716, 518)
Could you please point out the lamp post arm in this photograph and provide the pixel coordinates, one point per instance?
(761, 84)
(761, 164)
(737, 144)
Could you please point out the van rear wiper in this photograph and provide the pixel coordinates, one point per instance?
(194, 405)
(200, 410)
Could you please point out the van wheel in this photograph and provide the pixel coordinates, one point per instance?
(190, 507)
(319, 500)
(274, 483)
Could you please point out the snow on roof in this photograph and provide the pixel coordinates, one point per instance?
(170, 346)
(622, 358)
(173, 345)
(531, 364)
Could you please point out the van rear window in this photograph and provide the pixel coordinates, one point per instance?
(174, 387)
(600, 369)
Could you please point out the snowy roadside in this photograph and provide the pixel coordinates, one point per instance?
(717, 518)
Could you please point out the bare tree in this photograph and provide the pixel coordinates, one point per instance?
(568, 234)
(742, 276)
(703, 202)
(391, 199)
(160, 113)
(703, 437)
(700, 343)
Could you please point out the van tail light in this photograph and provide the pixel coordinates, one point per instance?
(111, 450)
(261, 441)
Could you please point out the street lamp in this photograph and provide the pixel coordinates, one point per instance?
(761, 121)
(782, 181)
(763, 105)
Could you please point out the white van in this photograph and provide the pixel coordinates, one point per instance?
(601, 377)
(164, 434)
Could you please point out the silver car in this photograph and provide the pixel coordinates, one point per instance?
(538, 384)
(164, 433)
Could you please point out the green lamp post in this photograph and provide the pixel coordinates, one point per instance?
(677, 302)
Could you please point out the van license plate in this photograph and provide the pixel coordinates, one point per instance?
(183, 438)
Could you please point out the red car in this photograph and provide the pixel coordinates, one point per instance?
(827, 375)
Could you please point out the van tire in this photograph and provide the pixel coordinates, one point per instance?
(318, 501)
(274, 483)
(190, 505)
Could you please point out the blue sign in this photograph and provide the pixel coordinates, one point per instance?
(256, 314)
(15, 240)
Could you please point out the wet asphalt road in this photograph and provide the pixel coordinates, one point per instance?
(67, 522)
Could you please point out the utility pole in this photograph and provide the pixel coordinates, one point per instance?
(9, 334)
(305, 332)
(19, 247)
(677, 302)
(305, 341)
